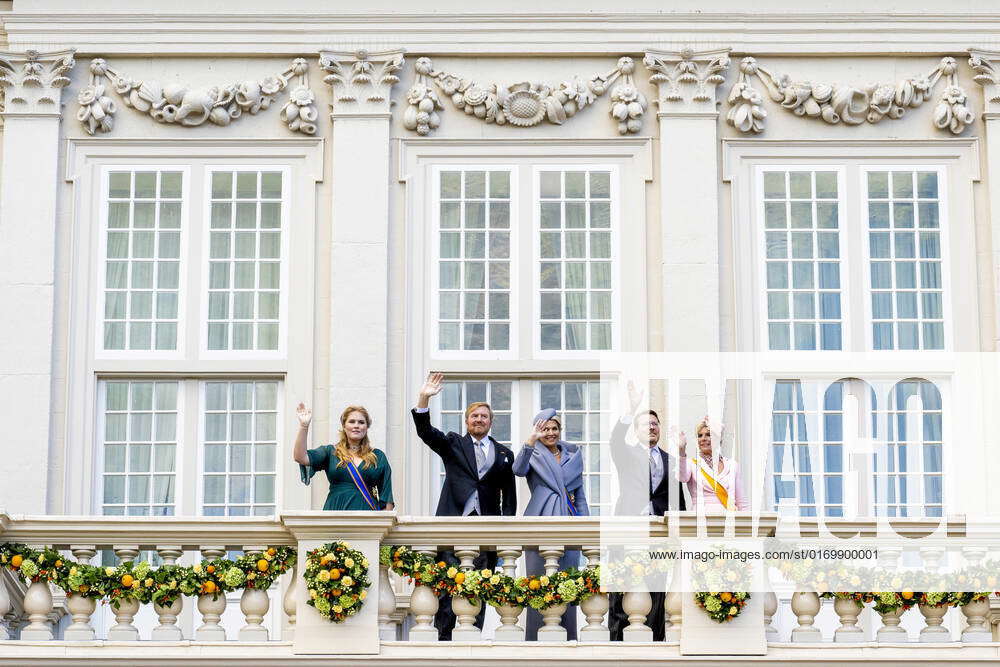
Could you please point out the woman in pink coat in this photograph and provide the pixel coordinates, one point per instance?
(712, 479)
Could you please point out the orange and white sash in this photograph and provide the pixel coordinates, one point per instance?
(714, 484)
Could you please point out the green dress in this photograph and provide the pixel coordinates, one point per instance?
(344, 494)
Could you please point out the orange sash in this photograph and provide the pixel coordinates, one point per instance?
(720, 491)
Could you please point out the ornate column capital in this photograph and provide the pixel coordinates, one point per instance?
(986, 65)
(32, 82)
(362, 81)
(687, 79)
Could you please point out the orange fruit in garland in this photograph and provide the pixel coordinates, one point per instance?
(210, 587)
(127, 580)
(534, 584)
(271, 551)
(337, 592)
(907, 595)
(726, 597)
(210, 569)
(262, 565)
(335, 574)
(459, 577)
(17, 560)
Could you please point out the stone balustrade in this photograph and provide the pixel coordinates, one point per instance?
(396, 622)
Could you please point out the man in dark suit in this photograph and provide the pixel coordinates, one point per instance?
(478, 480)
(662, 493)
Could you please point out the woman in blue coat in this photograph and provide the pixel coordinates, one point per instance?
(555, 477)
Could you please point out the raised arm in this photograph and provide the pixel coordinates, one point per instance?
(522, 464)
(299, 451)
(684, 471)
(432, 437)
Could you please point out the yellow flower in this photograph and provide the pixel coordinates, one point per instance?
(312, 594)
(347, 581)
(73, 571)
(268, 556)
(364, 562)
(135, 584)
(251, 575)
(109, 571)
(544, 580)
(485, 573)
(548, 597)
(196, 567)
(363, 594)
(452, 572)
(337, 608)
(349, 562)
(147, 583)
(324, 575)
(495, 579)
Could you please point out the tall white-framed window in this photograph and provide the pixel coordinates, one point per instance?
(143, 213)
(474, 253)
(905, 255)
(138, 421)
(239, 445)
(575, 252)
(800, 209)
(247, 210)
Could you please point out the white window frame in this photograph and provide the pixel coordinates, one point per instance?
(760, 246)
(944, 221)
(434, 224)
(183, 279)
(283, 287)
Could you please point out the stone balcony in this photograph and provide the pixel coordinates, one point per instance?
(39, 626)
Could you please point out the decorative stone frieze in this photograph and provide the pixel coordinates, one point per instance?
(362, 81)
(986, 65)
(523, 104)
(847, 104)
(32, 82)
(189, 106)
(687, 79)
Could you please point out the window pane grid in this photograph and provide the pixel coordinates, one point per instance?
(244, 260)
(474, 250)
(802, 260)
(579, 405)
(139, 448)
(908, 472)
(456, 396)
(904, 244)
(239, 448)
(575, 291)
(142, 251)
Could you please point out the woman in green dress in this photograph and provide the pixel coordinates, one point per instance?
(360, 477)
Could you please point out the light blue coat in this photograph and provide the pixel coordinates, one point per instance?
(551, 480)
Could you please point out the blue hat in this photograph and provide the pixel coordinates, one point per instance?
(545, 415)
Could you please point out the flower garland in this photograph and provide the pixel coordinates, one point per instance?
(492, 587)
(337, 579)
(724, 606)
(140, 582)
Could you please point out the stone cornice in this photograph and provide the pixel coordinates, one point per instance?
(593, 33)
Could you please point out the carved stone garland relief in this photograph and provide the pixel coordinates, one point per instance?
(840, 103)
(523, 104)
(179, 103)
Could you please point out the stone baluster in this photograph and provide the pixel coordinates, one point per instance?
(891, 632)
(976, 612)
(386, 606)
(466, 610)
(423, 604)
(125, 610)
(848, 632)
(6, 605)
(770, 609)
(551, 631)
(509, 630)
(254, 603)
(38, 605)
(211, 605)
(805, 606)
(80, 607)
(289, 603)
(595, 607)
(934, 631)
(168, 629)
(674, 611)
(637, 606)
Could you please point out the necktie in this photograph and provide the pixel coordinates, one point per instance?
(480, 457)
(654, 468)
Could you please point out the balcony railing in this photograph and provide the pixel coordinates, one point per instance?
(40, 623)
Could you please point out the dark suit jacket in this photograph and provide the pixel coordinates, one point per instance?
(461, 477)
(632, 463)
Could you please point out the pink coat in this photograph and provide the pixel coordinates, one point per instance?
(701, 491)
